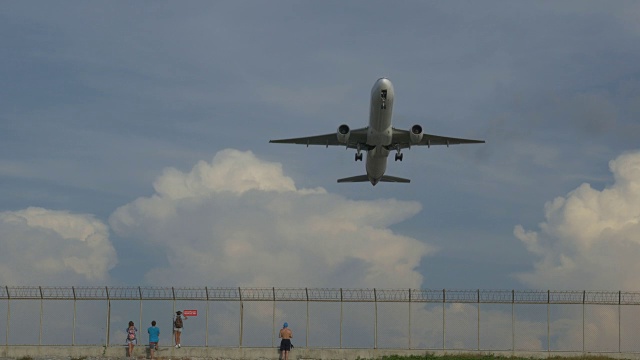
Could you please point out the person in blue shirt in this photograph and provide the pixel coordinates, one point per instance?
(154, 338)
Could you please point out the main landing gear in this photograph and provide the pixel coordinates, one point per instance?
(358, 153)
(398, 154)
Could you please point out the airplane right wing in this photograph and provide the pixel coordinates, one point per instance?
(402, 138)
(356, 136)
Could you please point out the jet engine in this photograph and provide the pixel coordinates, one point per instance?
(343, 133)
(415, 134)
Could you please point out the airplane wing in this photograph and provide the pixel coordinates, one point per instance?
(403, 140)
(356, 136)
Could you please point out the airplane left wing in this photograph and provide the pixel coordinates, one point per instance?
(355, 137)
(402, 139)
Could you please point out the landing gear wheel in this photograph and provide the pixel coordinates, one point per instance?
(399, 157)
(359, 157)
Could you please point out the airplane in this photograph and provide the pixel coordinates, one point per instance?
(378, 139)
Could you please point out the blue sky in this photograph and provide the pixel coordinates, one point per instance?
(134, 144)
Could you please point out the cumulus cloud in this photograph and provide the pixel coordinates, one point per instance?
(239, 221)
(41, 246)
(590, 239)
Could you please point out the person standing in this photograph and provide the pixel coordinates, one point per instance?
(131, 337)
(154, 338)
(178, 326)
(285, 344)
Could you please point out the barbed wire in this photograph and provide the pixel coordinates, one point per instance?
(319, 294)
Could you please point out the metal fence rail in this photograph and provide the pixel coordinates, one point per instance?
(517, 320)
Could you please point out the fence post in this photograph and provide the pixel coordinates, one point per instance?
(375, 324)
(444, 299)
(73, 336)
(340, 318)
(41, 310)
(273, 324)
(206, 324)
(173, 311)
(584, 295)
(108, 316)
(409, 318)
(619, 321)
(478, 319)
(548, 322)
(513, 322)
(140, 294)
(307, 339)
(241, 315)
(8, 315)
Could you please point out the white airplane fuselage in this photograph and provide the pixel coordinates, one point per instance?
(380, 132)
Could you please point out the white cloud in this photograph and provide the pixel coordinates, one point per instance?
(41, 246)
(230, 170)
(239, 221)
(590, 239)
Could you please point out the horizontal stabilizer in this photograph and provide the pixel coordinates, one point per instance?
(386, 178)
(359, 178)
(365, 178)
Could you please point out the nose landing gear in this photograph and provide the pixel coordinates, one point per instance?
(358, 153)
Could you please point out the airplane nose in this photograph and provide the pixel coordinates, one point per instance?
(383, 81)
(381, 84)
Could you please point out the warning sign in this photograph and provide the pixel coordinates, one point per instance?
(190, 312)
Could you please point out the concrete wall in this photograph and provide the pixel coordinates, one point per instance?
(167, 353)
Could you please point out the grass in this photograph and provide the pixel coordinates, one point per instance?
(488, 357)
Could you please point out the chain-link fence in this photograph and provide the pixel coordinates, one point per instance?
(486, 320)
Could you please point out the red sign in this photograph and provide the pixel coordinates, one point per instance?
(190, 312)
